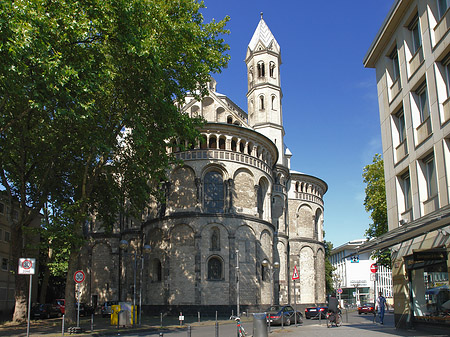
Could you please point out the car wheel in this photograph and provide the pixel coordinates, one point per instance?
(359, 313)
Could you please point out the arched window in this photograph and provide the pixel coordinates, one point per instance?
(272, 69)
(263, 273)
(241, 147)
(213, 143)
(215, 239)
(273, 102)
(230, 120)
(233, 145)
(261, 102)
(203, 142)
(156, 270)
(214, 192)
(261, 70)
(215, 268)
(222, 143)
(296, 186)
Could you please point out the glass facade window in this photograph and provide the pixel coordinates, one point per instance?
(430, 291)
(395, 65)
(422, 98)
(406, 186)
(442, 7)
(414, 27)
(430, 176)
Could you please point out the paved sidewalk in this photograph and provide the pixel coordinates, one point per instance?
(354, 326)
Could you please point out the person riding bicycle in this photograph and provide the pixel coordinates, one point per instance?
(333, 305)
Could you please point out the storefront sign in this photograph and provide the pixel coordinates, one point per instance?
(430, 256)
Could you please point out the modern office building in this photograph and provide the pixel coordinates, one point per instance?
(352, 274)
(234, 212)
(411, 55)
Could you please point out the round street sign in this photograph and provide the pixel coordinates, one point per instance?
(373, 268)
(79, 276)
(339, 291)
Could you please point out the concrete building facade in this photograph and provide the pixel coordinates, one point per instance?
(411, 54)
(233, 203)
(352, 273)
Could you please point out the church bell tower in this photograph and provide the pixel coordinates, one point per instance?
(264, 94)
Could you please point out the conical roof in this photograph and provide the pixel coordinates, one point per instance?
(263, 34)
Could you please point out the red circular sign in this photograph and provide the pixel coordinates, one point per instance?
(373, 268)
(79, 276)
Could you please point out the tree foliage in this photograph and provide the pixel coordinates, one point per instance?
(329, 284)
(89, 96)
(375, 204)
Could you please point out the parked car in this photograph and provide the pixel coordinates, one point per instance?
(316, 312)
(276, 313)
(85, 309)
(45, 310)
(106, 307)
(366, 308)
(61, 304)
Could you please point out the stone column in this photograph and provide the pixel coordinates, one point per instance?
(198, 269)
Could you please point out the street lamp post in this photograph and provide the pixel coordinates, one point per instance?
(272, 269)
(237, 282)
(123, 244)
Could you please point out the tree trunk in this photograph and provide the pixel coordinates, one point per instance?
(21, 284)
(71, 315)
(44, 285)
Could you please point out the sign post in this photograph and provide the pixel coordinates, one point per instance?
(27, 266)
(295, 276)
(78, 277)
(374, 269)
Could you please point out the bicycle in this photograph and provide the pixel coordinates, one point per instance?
(240, 329)
(334, 318)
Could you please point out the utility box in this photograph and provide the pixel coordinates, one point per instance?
(260, 325)
(124, 318)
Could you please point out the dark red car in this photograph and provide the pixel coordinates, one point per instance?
(366, 308)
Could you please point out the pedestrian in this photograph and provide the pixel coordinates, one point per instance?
(381, 305)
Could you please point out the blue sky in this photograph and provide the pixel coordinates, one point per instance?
(330, 107)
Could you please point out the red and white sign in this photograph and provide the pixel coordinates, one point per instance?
(373, 268)
(79, 276)
(27, 266)
(295, 275)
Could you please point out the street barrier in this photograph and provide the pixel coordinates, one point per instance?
(259, 325)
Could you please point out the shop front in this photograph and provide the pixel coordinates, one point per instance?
(429, 286)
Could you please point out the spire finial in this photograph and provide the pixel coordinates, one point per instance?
(261, 15)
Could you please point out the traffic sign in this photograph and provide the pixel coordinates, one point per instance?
(79, 276)
(295, 275)
(339, 291)
(27, 266)
(373, 268)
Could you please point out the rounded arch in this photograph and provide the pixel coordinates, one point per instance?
(208, 109)
(222, 142)
(220, 114)
(183, 189)
(305, 221)
(182, 235)
(229, 119)
(307, 274)
(261, 102)
(262, 198)
(195, 110)
(318, 224)
(212, 143)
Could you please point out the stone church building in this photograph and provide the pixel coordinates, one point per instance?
(234, 203)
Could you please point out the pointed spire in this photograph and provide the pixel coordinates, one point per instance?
(263, 34)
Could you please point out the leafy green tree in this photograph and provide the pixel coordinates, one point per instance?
(89, 98)
(329, 284)
(375, 204)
